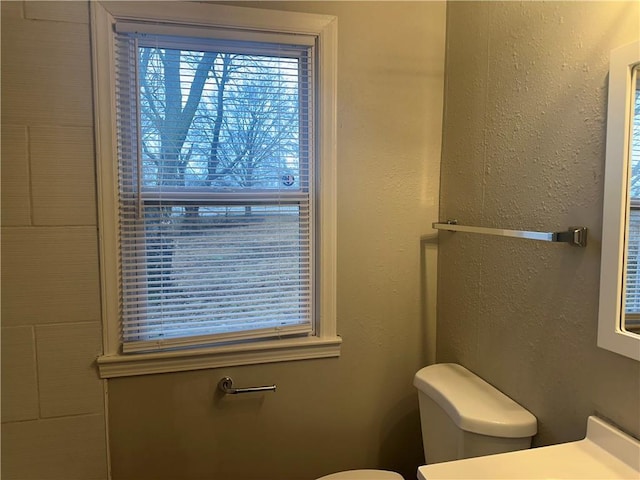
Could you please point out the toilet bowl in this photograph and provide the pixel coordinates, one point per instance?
(363, 475)
(461, 416)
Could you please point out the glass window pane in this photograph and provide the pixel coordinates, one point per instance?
(221, 121)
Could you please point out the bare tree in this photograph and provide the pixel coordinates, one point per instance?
(166, 121)
(161, 90)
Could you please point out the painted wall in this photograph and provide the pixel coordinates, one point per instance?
(359, 410)
(356, 411)
(524, 148)
(53, 422)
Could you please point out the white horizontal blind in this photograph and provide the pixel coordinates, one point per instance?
(216, 190)
(632, 297)
(632, 259)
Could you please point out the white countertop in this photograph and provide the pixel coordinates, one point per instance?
(605, 454)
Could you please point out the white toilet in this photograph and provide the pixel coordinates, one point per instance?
(461, 416)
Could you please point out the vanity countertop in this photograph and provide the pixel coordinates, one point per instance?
(605, 453)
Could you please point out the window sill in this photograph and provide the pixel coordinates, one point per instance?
(118, 365)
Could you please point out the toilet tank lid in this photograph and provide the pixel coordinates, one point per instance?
(473, 404)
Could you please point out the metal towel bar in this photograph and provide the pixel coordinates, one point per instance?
(576, 236)
(226, 385)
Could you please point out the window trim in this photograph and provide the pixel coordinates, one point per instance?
(611, 335)
(326, 342)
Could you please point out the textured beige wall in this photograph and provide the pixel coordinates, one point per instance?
(359, 410)
(53, 423)
(524, 148)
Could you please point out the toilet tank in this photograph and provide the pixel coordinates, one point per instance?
(463, 416)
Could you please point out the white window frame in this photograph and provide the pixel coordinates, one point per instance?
(611, 334)
(245, 22)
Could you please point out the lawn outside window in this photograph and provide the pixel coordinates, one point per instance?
(215, 133)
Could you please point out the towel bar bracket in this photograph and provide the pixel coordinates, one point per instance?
(575, 236)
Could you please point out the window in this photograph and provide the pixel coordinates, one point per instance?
(216, 151)
(615, 333)
(632, 277)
